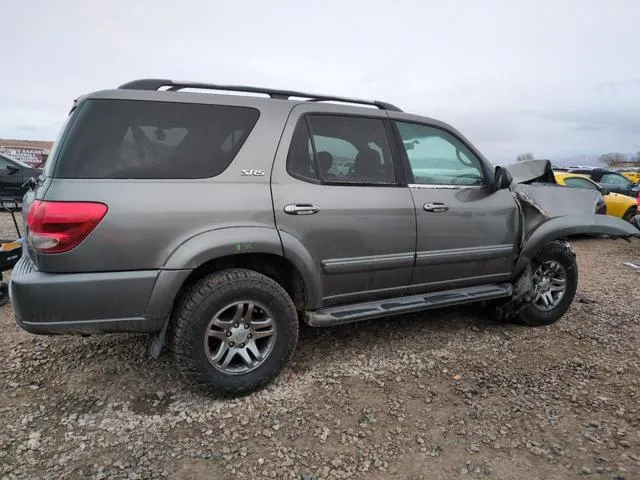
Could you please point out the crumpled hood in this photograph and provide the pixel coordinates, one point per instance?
(534, 184)
(531, 171)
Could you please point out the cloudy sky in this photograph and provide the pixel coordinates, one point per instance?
(557, 78)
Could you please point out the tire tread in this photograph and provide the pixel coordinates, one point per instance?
(183, 325)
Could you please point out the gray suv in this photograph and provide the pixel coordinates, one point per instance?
(216, 222)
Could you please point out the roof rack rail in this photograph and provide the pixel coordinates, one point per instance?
(157, 83)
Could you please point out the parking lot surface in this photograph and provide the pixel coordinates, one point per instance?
(446, 394)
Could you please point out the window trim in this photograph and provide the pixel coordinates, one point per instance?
(484, 168)
(302, 178)
(396, 160)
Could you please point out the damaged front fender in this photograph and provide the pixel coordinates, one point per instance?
(567, 226)
(550, 211)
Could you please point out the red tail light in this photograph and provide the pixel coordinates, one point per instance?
(56, 227)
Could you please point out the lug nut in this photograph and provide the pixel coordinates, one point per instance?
(228, 333)
(231, 344)
(246, 325)
(241, 345)
(235, 325)
(249, 336)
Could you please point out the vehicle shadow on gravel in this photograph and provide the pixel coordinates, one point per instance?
(431, 324)
(123, 358)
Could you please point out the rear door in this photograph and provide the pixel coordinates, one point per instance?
(338, 194)
(467, 231)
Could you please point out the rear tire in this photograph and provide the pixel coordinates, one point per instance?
(630, 214)
(233, 332)
(553, 268)
(4, 292)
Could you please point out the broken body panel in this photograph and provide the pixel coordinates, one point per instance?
(550, 211)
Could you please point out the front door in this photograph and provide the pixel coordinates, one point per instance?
(337, 192)
(467, 231)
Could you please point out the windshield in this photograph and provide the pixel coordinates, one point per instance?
(15, 160)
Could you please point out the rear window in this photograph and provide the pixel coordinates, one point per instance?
(152, 140)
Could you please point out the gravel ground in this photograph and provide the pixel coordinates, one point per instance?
(444, 395)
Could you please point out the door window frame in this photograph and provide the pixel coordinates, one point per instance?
(396, 152)
(485, 169)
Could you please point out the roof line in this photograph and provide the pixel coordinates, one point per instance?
(157, 84)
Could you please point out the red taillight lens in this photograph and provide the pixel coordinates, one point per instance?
(56, 227)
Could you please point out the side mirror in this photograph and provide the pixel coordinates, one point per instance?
(12, 169)
(502, 178)
(604, 191)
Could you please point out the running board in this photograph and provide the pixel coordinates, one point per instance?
(328, 317)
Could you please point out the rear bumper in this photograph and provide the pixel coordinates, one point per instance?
(104, 302)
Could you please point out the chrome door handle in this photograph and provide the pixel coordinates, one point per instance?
(301, 209)
(436, 207)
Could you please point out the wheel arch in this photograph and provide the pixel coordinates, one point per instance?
(254, 248)
(564, 227)
(629, 213)
(274, 266)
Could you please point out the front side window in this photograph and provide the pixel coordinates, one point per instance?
(615, 179)
(341, 150)
(437, 157)
(579, 183)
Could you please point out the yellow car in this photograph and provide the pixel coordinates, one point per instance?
(633, 175)
(621, 206)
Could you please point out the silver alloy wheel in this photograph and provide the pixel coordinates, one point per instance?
(550, 283)
(240, 337)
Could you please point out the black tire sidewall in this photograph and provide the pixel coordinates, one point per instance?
(630, 214)
(285, 321)
(555, 251)
(4, 293)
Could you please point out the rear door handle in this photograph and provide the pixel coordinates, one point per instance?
(436, 207)
(301, 209)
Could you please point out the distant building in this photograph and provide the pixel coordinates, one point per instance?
(625, 164)
(31, 152)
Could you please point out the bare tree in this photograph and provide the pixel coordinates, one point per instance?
(612, 158)
(524, 157)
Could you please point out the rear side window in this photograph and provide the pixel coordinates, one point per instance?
(342, 150)
(153, 140)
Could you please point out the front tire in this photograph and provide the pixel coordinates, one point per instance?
(630, 214)
(234, 331)
(555, 281)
